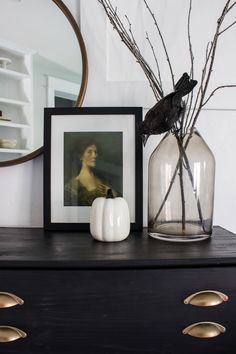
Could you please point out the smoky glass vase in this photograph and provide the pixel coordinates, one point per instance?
(181, 176)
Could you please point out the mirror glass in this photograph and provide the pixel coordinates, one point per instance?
(42, 64)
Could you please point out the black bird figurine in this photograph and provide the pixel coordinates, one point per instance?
(161, 117)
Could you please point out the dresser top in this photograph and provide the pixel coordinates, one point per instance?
(36, 248)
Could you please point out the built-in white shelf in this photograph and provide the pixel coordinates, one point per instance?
(16, 98)
(13, 74)
(13, 125)
(14, 151)
(14, 102)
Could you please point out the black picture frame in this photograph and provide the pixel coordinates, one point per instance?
(58, 123)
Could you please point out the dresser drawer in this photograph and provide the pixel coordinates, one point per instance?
(116, 311)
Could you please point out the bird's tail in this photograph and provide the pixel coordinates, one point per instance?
(144, 138)
(185, 84)
(143, 132)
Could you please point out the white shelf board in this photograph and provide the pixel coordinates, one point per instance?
(14, 102)
(13, 125)
(13, 74)
(14, 151)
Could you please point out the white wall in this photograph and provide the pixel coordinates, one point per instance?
(110, 85)
(30, 24)
(42, 70)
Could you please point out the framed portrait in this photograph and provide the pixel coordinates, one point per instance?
(86, 152)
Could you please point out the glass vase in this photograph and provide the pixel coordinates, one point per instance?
(181, 176)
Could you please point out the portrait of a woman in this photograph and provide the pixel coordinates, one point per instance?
(86, 184)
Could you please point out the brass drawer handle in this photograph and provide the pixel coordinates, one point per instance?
(206, 298)
(204, 329)
(9, 300)
(9, 334)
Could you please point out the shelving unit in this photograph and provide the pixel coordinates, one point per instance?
(14, 74)
(16, 99)
(13, 101)
(13, 125)
(14, 151)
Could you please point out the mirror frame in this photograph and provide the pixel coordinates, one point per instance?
(83, 87)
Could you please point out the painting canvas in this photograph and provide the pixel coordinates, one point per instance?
(92, 165)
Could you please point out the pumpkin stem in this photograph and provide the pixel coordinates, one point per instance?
(109, 193)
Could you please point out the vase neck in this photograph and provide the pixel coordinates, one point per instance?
(187, 132)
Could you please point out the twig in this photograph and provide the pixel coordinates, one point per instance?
(192, 65)
(182, 156)
(168, 191)
(204, 70)
(159, 84)
(132, 45)
(204, 85)
(188, 169)
(127, 40)
(181, 120)
(230, 8)
(208, 51)
(182, 187)
(163, 42)
(217, 88)
(227, 28)
(157, 64)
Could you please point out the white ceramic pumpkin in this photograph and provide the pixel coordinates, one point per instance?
(109, 218)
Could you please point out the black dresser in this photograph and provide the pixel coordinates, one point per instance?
(82, 296)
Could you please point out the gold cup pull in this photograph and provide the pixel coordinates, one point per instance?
(204, 329)
(206, 298)
(9, 300)
(9, 334)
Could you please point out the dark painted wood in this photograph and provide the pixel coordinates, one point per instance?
(41, 249)
(117, 311)
(88, 297)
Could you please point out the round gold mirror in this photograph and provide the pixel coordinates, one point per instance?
(43, 63)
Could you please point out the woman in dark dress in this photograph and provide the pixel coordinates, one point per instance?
(82, 189)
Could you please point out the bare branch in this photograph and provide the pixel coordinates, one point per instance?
(143, 63)
(130, 42)
(227, 28)
(157, 64)
(216, 89)
(163, 43)
(189, 41)
(192, 65)
(230, 8)
(200, 90)
(158, 82)
(127, 37)
(207, 71)
(208, 51)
